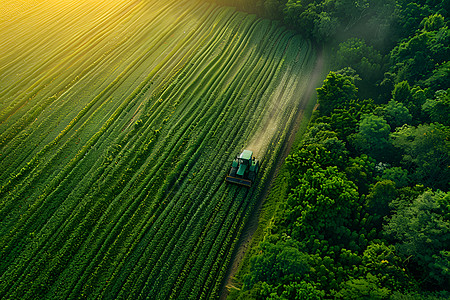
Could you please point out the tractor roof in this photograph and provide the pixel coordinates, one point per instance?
(246, 154)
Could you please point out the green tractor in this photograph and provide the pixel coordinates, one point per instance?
(244, 169)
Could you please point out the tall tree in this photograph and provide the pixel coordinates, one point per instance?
(438, 109)
(336, 92)
(426, 153)
(396, 114)
(373, 136)
(421, 231)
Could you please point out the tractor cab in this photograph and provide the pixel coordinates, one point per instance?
(243, 169)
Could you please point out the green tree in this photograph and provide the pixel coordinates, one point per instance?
(439, 78)
(379, 198)
(421, 230)
(412, 98)
(363, 288)
(329, 152)
(323, 201)
(415, 58)
(421, 295)
(364, 59)
(361, 171)
(277, 263)
(336, 92)
(438, 109)
(382, 261)
(300, 290)
(433, 22)
(373, 136)
(402, 92)
(425, 153)
(396, 114)
(410, 16)
(344, 122)
(397, 175)
(325, 27)
(301, 15)
(350, 11)
(318, 132)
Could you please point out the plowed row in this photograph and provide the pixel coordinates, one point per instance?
(118, 124)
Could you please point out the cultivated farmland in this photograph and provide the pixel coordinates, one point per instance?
(118, 123)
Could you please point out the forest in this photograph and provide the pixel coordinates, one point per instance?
(366, 214)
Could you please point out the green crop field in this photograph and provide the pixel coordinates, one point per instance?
(118, 123)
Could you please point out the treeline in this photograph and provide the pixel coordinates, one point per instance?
(368, 212)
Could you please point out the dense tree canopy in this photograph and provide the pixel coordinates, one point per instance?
(426, 152)
(396, 114)
(336, 92)
(372, 136)
(438, 109)
(421, 231)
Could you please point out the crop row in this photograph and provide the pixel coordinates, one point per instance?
(115, 140)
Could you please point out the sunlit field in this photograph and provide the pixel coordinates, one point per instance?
(118, 124)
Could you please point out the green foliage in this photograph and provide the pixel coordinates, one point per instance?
(351, 10)
(322, 202)
(438, 80)
(422, 295)
(383, 262)
(410, 16)
(433, 23)
(325, 27)
(380, 196)
(344, 122)
(336, 92)
(301, 15)
(361, 171)
(425, 152)
(397, 175)
(317, 133)
(372, 136)
(367, 287)
(438, 109)
(415, 58)
(396, 114)
(360, 204)
(291, 290)
(323, 20)
(299, 290)
(402, 92)
(411, 98)
(320, 148)
(364, 59)
(421, 230)
(278, 262)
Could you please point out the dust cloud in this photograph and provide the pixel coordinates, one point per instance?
(286, 105)
(266, 131)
